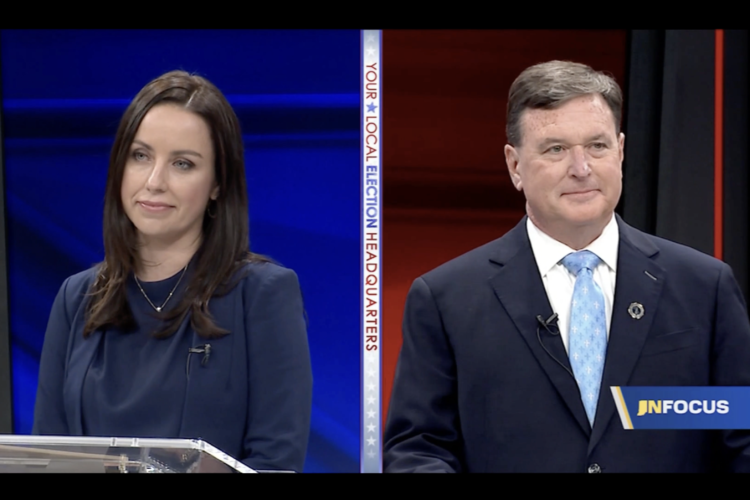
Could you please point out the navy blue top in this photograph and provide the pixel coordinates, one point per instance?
(135, 385)
(251, 399)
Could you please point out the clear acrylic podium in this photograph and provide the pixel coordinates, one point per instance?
(66, 454)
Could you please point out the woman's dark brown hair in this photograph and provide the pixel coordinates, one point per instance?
(225, 246)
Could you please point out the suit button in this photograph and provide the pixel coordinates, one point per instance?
(594, 469)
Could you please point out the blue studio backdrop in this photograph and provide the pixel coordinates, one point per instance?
(297, 96)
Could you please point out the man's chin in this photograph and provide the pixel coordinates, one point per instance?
(597, 221)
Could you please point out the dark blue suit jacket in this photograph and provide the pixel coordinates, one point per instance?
(252, 399)
(475, 391)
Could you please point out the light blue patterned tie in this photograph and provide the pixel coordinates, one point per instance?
(588, 329)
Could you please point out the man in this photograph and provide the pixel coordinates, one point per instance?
(510, 350)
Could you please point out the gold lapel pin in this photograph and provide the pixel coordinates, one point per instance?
(635, 310)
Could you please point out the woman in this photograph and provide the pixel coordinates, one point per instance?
(181, 331)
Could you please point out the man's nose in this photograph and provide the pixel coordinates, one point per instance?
(579, 166)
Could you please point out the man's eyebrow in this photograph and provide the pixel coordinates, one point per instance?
(599, 137)
(556, 140)
(551, 140)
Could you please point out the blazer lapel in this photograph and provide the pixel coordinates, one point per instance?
(639, 281)
(81, 357)
(519, 288)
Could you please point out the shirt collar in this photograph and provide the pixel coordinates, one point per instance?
(548, 252)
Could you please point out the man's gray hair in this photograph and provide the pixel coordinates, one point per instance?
(549, 85)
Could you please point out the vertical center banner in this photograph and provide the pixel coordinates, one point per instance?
(371, 182)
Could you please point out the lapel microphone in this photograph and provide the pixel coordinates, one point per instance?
(554, 331)
(204, 349)
(551, 321)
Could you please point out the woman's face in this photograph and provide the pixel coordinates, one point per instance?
(169, 176)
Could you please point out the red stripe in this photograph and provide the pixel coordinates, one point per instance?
(719, 147)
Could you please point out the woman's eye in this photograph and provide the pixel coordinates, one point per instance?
(183, 164)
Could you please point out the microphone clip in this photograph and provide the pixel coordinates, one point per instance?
(204, 349)
(549, 322)
(554, 331)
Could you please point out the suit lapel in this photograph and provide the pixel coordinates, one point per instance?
(628, 334)
(520, 290)
(80, 359)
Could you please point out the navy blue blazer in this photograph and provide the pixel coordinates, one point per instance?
(475, 391)
(252, 399)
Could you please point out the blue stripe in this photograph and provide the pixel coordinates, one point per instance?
(239, 100)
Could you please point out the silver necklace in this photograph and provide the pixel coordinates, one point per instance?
(158, 309)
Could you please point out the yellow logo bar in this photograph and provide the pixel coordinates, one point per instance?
(622, 409)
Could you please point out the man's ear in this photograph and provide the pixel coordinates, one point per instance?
(511, 159)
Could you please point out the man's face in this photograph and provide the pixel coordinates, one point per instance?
(569, 164)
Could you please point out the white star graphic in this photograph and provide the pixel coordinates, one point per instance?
(371, 441)
(371, 386)
(370, 52)
(371, 428)
(371, 414)
(371, 400)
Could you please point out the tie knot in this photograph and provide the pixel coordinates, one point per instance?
(584, 259)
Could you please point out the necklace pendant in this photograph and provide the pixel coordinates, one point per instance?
(158, 309)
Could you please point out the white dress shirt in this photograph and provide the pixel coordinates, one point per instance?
(559, 282)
